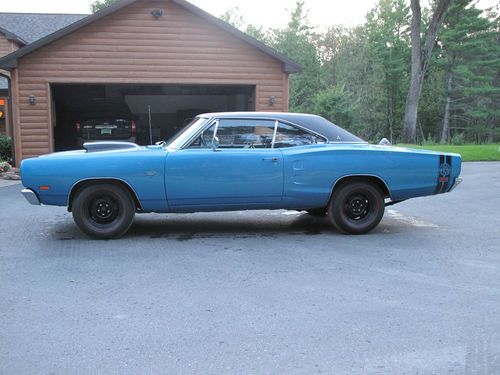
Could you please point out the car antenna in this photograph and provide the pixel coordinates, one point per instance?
(150, 130)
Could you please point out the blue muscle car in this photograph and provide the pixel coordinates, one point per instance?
(238, 161)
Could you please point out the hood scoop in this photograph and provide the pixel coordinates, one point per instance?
(109, 146)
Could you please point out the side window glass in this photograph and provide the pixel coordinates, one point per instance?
(205, 138)
(250, 133)
(290, 136)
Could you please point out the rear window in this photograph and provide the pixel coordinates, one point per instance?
(290, 136)
(333, 132)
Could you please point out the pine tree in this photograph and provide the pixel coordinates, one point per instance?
(297, 41)
(388, 37)
(420, 57)
(101, 4)
(472, 57)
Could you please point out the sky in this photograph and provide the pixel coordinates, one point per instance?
(267, 13)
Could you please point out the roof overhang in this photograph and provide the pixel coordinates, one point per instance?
(10, 61)
(13, 37)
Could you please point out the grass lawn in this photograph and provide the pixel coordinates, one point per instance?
(468, 152)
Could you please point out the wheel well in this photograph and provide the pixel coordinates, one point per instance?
(377, 181)
(81, 184)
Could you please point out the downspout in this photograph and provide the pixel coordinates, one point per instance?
(11, 118)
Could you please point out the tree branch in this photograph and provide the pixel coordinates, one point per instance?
(430, 39)
(415, 30)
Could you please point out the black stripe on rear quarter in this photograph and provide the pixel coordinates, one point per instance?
(447, 183)
(445, 174)
(439, 184)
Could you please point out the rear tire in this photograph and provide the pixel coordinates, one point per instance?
(103, 211)
(356, 207)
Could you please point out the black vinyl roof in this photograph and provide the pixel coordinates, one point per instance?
(314, 123)
(10, 61)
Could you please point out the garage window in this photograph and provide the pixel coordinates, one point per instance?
(3, 129)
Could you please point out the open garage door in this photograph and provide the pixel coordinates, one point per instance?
(137, 113)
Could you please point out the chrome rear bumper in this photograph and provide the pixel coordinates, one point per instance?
(30, 196)
(458, 181)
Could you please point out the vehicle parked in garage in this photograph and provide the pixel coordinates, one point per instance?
(238, 161)
(105, 120)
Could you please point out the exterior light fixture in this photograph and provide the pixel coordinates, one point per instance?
(272, 100)
(32, 99)
(157, 13)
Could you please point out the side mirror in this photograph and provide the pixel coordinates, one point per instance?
(215, 143)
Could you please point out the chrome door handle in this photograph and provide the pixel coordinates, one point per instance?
(274, 160)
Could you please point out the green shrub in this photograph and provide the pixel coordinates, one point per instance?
(5, 148)
(429, 141)
(458, 139)
(4, 166)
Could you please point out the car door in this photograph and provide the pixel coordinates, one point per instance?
(231, 163)
(307, 168)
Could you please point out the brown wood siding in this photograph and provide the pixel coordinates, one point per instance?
(6, 46)
(131, 46)
(14, 77)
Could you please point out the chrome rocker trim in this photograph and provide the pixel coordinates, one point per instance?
(458, 181)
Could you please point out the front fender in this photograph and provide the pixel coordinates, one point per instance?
(52, 177)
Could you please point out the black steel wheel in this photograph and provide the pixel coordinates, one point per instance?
(103, 210)
(356, 207)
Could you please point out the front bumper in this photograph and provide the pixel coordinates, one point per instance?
(458, 181)
(31, 197)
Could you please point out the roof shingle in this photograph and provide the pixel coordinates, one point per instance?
(34, 26)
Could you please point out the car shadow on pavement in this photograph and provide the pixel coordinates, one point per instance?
(233, 225)
(185, 227)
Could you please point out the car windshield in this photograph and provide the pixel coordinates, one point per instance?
(185, 133)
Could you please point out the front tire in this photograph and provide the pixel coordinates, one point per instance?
(356, 207)
(103, 211)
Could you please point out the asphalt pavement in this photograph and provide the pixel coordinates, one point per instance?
(263, 292)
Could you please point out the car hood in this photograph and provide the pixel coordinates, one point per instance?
(101, 148)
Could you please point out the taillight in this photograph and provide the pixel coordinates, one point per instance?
(133, 128)
(77, 127)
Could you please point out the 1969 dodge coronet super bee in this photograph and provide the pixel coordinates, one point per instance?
(238, 161)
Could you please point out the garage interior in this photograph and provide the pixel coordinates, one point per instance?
(167, 107)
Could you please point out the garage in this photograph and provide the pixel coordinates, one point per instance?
(155, 112)
(161, 62)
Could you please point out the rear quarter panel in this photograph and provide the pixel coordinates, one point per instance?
(310, 173)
